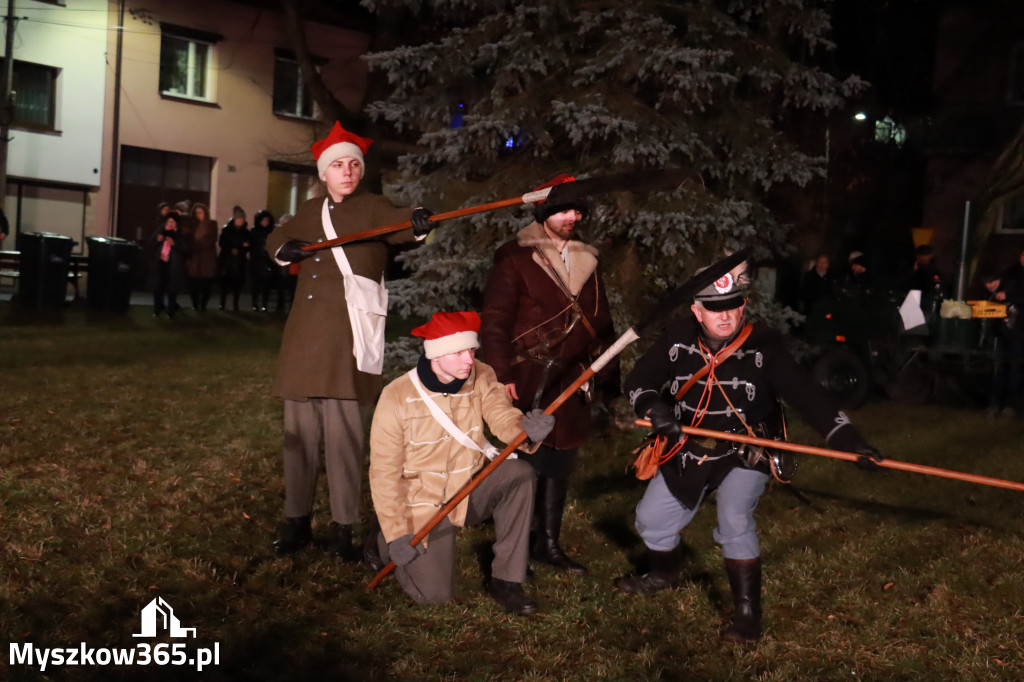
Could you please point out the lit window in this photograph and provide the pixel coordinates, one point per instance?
(888, 130)
(35, 96)
(291, 96)
(186, 62)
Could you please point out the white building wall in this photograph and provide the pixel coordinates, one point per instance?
(72, 38)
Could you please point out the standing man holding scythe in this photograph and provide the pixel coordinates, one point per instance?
(716, 371)
(329, 368)
(546, 317)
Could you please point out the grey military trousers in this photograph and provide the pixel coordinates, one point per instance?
(339, 427)
(506, 495)
(660, 516)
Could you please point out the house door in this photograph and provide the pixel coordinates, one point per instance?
(152, 176)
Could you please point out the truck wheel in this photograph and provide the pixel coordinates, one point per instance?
(844, 375)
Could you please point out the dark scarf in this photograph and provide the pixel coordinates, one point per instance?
(430, 380)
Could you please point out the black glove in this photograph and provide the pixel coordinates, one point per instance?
(402, 552)
(663, 421)
(869, 458)
(421, 225)
(292, 252)
(537, 425)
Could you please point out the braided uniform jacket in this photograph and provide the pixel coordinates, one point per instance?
(754, 377)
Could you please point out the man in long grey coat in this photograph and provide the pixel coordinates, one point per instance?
(327, 374)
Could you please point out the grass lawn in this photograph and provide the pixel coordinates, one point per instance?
(140, 458)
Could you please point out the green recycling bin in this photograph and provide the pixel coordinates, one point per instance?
(111, 260)
(43, 281)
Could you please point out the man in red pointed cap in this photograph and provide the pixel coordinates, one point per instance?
(545, 318)
(329, 369)
(427, 441)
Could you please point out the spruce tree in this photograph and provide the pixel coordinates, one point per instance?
(501, 96)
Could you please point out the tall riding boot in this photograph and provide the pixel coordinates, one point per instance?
(745, 581)
(664, 574)
(549, 503)
(294, 534)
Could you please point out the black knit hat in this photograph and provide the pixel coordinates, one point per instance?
(543, 210)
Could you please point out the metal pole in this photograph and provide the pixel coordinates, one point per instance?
(6, 105)
(961, 277)
(115, 132)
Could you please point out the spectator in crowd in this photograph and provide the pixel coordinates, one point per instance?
(817, 284)
(170, 249)
(926, 277)
(201, 266)
(234, 249)
(857, 281)
(1007, 288)
(264, 274)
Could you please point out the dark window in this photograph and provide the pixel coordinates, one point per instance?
(186, 60)
(291, 96)
(35, 96)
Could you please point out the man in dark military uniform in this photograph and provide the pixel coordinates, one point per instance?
(742, 372)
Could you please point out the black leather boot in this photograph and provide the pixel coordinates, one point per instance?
(664, 574)
(745, 582)
(292, 535)
(339, 542)
(511, 597)
(549, 504)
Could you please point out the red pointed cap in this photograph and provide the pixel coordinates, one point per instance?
(339, 143)
(449, 333)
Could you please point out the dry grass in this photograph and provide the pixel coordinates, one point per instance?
(140, 458)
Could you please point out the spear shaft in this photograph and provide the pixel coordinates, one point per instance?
(848, 456)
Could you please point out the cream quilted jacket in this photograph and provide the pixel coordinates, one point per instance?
(415, 465)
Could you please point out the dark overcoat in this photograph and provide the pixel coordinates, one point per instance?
(316, 358)
(527, 307)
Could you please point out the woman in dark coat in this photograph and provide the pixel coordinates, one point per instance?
(202, 262)
(264, 274)
(234, 247)
(170, 249)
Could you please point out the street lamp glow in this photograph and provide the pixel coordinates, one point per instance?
(860, 116)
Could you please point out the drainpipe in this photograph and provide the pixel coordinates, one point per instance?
(115, 130)
(6, 105)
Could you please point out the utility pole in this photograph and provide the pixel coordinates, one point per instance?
(6, 105)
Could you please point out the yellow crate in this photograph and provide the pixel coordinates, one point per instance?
(987, 309)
